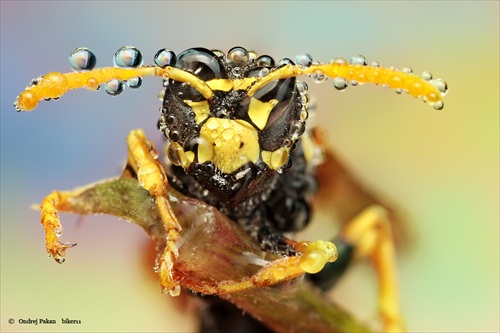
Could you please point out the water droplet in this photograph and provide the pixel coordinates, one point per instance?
(375, 64)
(339, 61)
(164, 58)
(175, 291)
(304, 99)
(252, 56)
(407, 70)
(36, 81)
(354, 83)
(340, 83)
(114, 87)
(127, 57)
(134, 82)
(236, 71)
(358, 60)
(171, 119)
(301, 87)
(174, 136)
(238, 55)
(92, 84)
(439, 105)
(161, 95)
(161, 124)
(287, 143)
(440, 85)
(304, 115)
(303, 60)
(426, 76)
(82, 59)
(319, 76)
(297, 128)
(58, 231)
(175, 153)
(218, 53)
(263, 72)
(265, 61)
(284, 62)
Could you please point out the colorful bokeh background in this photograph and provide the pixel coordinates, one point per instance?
(440, 167)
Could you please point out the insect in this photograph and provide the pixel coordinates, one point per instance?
(235, 126)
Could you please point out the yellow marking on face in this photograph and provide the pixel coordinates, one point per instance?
(220, 84)
(228, 84)
(259, 111)
(201, 110)
(227, 143)
(244, 83)
(275, 159)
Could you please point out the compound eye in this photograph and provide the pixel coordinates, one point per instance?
(280, 94)
(201, 62)
(281, 91)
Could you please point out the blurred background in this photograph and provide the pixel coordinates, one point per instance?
(440, 167)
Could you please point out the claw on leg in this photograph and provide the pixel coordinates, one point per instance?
(150, 174)
(52, 225)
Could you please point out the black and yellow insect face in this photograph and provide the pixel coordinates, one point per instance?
(233, 142)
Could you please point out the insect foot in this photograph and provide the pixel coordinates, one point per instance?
(52, 225)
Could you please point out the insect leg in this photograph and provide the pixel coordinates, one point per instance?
(370, 234)
(52, 224)
(151, 176)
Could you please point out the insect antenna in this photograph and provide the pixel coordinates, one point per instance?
(358, 72)
(54, 84)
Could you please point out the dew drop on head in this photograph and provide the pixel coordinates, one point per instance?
(238, 55)
(164, 58)
(284, 62)
(128, 57)
(252, 56)
(82, 59)
(263, 72)
(265, 61)
(218, 53)
(301, 87)
(303, 60)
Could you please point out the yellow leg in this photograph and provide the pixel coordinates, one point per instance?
(52, 225)
(312, 258)
(313, 255)
(371, 234)
(150, 174)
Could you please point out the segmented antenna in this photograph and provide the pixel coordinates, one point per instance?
(128, 68)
